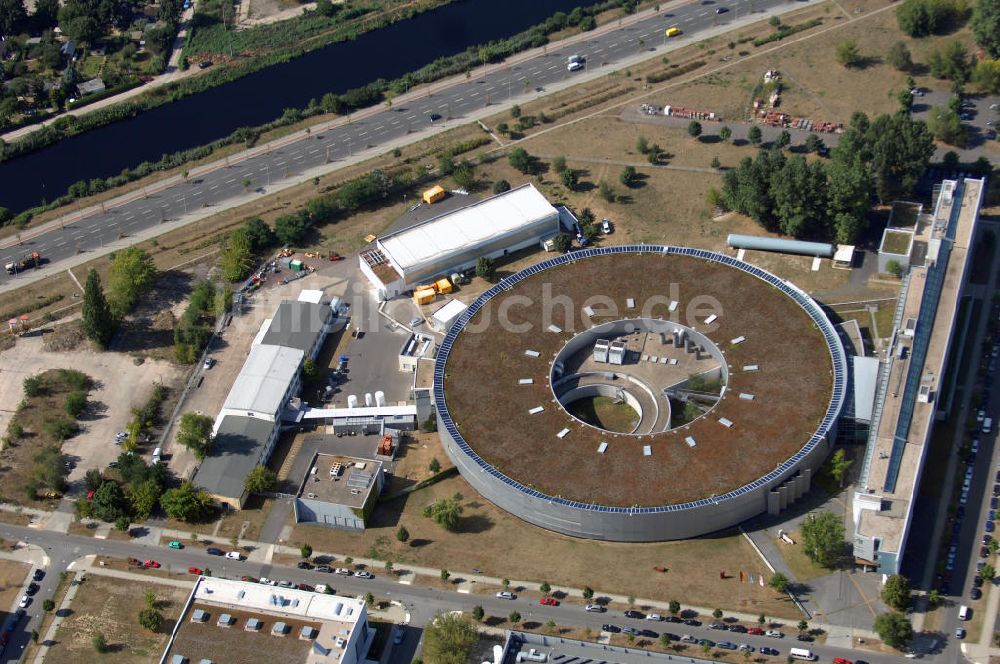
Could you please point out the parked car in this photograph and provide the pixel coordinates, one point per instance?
(505, 594)
(726, 645)
(209, 362)
(773, 633)
(745, 647)
(306, 587)
(959, 632)
(841, 660)
(303, 565)
(594, 608)
(975, 593)
(264, 581)
(284, 583)
(234, 555)
(249, 579)
(606, 226)
(343, 571)
(673, 619)
(324, 568)
(687, 638)
(174, 544)
(706, 642)
(212, 551)
(197, 571)
(631, 613)
(805, 638)
(364, 574)
(691, 622)
(739, 629)
(717, 625)
(755, 630)
(765, 650)
(151, 564)
(630, 630)
(25, 601)
(608, 627)
(548, 601)
(32, 588)
(38, 575)
(654, 616)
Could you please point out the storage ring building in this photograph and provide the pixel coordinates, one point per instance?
(501, 371)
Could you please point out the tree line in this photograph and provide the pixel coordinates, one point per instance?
(883, 158)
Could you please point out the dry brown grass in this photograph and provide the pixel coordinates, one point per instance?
(487, 533)
(12, 575)
(109, 606)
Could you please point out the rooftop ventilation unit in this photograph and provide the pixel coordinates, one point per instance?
(616, 352)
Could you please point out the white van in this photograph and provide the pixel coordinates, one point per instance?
(988, 425)
(802, 653)
(963, 612)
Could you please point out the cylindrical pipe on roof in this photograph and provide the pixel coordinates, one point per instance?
(776, 244)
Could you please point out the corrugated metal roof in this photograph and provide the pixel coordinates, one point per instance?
(450, 310)
(235, 451)
(466, 228)
(297, 324)
(263, 380)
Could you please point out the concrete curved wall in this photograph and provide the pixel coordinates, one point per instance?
(642, 524)
(609, 391)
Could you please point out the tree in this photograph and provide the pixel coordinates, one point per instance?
(798, 192)
(814, 143)
(823, 538)
(236, 255)
(464, 176)
(260, 234)
(131, 275)
(445, 575)
(195, 433)
(561, 243)
(93, 479)
(505, 583)
(900, 148)
(449, 639)
(75, 404)
(326, 8)
(986, 26)
(559, 164)
(779, 582)
(896, 592)
(402, 534)
(108, 503)
(186, 503)
(803, 625)
(628, 176)
(521, 160)
(311, 374)
(665, 640)
(369, 599)
(306, 551)
(607, 192)
(754, 135)
(122, 524)
(545, 588)
(151, 619)
(674, 607)
(434, 466)
(642, 145)
(694, 129)
(848, 53)
(946, 125)
(783, 140)
(588, 592)
(920, 18)
(143, 498)
(12, 16)
(894, 629)
(894, 267)
(988, 573)
(99, 642)
(515, 111)
(899, 56)
(514, 617)
(445, 512)
(290, 229)
(934, 597)
(951, 62)
(570, 179)
(48, 605)
(98, 322)
(725, 134)
(839, 465)
(717, 613)
(501, 186)
(485, 268)
(478, 613)
(260, 479)
(986, 76)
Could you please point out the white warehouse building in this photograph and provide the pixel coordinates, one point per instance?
(455, 240)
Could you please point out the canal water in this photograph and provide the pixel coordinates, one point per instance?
(260, 97)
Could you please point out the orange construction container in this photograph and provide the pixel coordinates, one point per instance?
(443, 285)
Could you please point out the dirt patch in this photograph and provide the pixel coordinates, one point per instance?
(484, 543)
(108, 606)
(65, 338)
(12, 577)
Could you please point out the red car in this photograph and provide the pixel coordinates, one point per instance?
(549, 601)
(251, 579)
(197, 571)
(841, 660)
(151, 564)
(755, 630)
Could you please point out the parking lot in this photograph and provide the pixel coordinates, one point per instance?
(979, 116)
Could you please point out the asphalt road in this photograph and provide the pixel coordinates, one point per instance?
(498, 86)
(421, 603)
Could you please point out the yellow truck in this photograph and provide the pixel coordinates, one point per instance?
(673, 31)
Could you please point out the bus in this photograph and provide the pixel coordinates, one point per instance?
(802, 653)
(673, 31)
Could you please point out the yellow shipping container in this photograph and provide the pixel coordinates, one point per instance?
(434, 194)
(425, 296)
(443, 285)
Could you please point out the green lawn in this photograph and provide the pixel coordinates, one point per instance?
(896, 242)
(605, 413)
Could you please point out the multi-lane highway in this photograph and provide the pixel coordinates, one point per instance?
(406, 120)
(420, 603)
